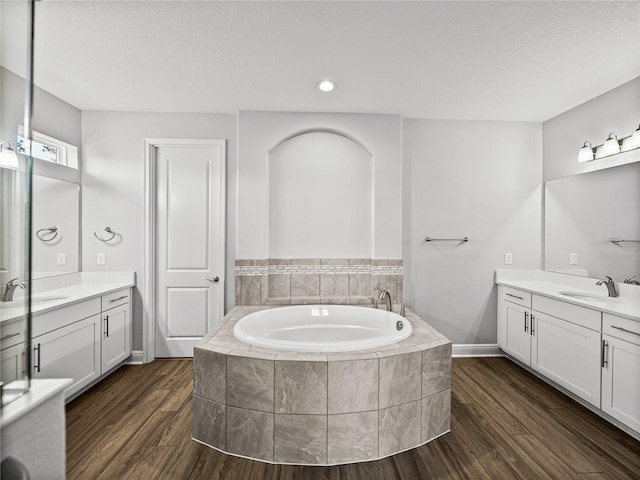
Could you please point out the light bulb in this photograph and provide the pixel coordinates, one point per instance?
(611, 146)
(586, 153)
(8, 158)
(326, 85)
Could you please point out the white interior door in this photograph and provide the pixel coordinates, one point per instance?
(189, 245)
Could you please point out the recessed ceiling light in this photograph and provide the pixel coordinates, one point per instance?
(326, 85)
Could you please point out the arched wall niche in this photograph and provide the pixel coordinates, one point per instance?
(321, 192)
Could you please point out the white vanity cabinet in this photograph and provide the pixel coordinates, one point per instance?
(621, 369)
(514, 334)
(556, 339)
(82, 341)
(566, 346)
(12, 351)
(116, 328)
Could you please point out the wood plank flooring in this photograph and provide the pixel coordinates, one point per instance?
(506, 424)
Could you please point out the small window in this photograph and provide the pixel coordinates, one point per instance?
(48, 149)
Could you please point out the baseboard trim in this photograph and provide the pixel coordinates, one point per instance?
(136, 358)
(476, 350)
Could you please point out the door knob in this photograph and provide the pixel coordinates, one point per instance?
(215, 279)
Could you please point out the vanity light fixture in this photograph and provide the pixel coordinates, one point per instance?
(635, 138)
(326, 85)
(586, 153)
(612, 146)
(8, 157)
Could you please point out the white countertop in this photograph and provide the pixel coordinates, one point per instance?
(89, 286)
(550, 285)
(41, 390)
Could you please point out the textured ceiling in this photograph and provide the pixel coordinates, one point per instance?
(519, 60)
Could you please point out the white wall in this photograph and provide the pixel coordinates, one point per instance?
(320, 198)
(475, 179)
(113, 188)
(615, 111)
(260, 132)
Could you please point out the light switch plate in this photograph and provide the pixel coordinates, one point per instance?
(508, 258)
(573, 259)
(62, 258)
(102, 259)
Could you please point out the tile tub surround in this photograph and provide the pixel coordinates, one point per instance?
(318, 408)
(294, 281)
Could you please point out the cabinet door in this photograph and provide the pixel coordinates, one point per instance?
(516, 336)
(567, 354)
(13, 364)
(621, 381)
(72, 352)
(116, 336)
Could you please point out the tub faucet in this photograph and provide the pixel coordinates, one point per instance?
(384, 294)
(611, 286)
(630, 280)
(10, 288)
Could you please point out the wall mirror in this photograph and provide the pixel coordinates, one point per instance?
(55, 227)
(592, 223)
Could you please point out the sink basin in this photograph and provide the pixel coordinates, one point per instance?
(594, 297)
(19, 302)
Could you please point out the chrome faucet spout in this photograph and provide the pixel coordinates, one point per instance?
(610, 284)
(386, 296)
(10, 288)
(630, 280)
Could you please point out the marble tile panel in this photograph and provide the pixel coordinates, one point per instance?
(399, 428)
(348, 356)
(375, 292)
(278, 301)
(301, 387)
(214, 348)
(376, 262)
(238, 289)
(336, 300)
(300, 438)
(301, 357)
(279, 286)
(359, 284)
(359, 261)
(399, 288)
(279, 261)
(398, 351)
(361, 300)
(334, 285)
(353, 386)
(255, 354)
(436, 370)
(400, 379)
(250, 433)
(209, 422)
(395, 262)
(418, 338)
(305, 285)
(226, 329)
(304, 300)
(352, 437)
(228, 342)
(241, 262)
(250, 383)
(436, 415)
(305, 261)
(210, 375)
(251, 290)
(264, 289)
(334, 261)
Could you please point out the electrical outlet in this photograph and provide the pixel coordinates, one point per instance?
(508, 258)
(62, 258)
(102, 259)
(573, 259)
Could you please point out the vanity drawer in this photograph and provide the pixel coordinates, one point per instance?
(12, 333)
(49, 321)
(622, 328)
(583, 316)
(116, 299)
(514, 295)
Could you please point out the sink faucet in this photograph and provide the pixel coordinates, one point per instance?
(630, 280)
(384, 294)
(611, 286)
(10, 288)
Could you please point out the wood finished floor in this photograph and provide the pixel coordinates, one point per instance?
(505, 424)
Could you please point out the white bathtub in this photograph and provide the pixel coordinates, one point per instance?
(322, 328)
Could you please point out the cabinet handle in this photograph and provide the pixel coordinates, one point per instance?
(119, 298)
(36, 350)
(514, 296)
(625, 330)
(18, 333)
(526, 317)
(106, 326)
(605, 353)
(533, 318)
